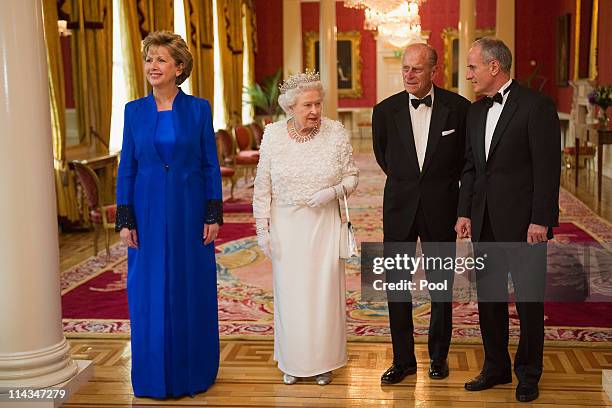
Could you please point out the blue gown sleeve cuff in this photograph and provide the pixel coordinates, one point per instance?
(125, 218)
(214, 212)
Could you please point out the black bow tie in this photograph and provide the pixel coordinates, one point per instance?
(490, 100)
(416, 102)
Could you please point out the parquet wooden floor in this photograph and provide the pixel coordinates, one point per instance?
(76, 247)
(248, 377)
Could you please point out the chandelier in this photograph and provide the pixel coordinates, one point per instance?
(397, 21)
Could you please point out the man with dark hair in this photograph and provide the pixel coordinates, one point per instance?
(419, 139)
(509, 194)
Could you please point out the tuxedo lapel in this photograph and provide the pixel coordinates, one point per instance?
(404, 129)
(436, 125)
(478, 142)
(506, 115)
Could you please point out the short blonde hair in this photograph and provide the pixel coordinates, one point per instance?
(175, 45)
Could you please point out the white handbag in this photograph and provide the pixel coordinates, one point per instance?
(348, 244)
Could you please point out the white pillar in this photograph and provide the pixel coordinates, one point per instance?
(328, 57)
(33, 349)
(505, 25)
(292, 37)
(467, 34)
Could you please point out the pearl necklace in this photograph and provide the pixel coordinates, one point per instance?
(298, 137)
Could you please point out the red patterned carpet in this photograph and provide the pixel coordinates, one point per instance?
(94, 301)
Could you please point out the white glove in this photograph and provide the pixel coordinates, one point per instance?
(263, 241)
(320, 198)
(263, 236)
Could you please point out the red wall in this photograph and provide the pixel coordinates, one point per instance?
(605, 42)
(536, 23)
(536, 32)
(435, 16)
(440, 14)
(349, 20)
(67, 62)
(269, 55)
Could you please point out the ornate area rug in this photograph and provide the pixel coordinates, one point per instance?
(95, 305)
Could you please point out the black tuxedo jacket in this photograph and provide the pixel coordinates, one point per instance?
(519, 183)
(436, 187)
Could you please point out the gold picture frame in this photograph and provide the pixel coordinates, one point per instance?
(349, 61)
(450, 39)
(590, 31)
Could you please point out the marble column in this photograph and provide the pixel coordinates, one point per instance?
(467, 34)
(505, 25)
(292, 37)
(328, 57)
(33, 349)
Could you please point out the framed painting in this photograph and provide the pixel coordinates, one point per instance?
(450, 39)
(348, 64)
(585, 39)
(563, 43)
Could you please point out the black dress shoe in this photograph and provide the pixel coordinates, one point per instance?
(396, 373)
(438, 370)
(483, 382)
(527, 392)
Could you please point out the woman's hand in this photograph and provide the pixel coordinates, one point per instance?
(320, 198)
(129, 237)
(263, 241)
(210, 233)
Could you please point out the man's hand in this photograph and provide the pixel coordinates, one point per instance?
(463, 227)
(537, 233)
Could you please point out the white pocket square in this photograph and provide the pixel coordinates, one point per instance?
(448, 132)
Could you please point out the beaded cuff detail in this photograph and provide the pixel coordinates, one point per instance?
(125, 218)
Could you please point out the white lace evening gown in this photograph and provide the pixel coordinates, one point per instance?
(309, 286)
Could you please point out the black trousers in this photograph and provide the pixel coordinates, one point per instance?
(400, 311)
(527, 266)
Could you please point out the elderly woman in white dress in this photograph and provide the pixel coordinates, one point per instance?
(305, 166)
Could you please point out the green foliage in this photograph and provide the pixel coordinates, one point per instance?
(265, 96)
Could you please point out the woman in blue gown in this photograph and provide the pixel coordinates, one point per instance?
(169, 212)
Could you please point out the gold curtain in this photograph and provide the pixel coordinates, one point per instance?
(93, 59)
(131, 50)
(199, 22)
(231, 48)
(64, 192)
(140, 18)
(250, 46)
(155, 15)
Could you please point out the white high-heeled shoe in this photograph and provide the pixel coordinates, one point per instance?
(289, 379)
(324, 379)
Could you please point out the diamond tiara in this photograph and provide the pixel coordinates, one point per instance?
(296, 80)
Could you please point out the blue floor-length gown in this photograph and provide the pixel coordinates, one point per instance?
(168, 187)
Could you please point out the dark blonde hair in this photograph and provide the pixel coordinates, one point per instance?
(176, 46)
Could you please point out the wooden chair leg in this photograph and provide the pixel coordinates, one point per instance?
(233, 184)
(95, 241)
(107, 241)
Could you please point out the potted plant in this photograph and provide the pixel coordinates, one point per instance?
(264, 97)
(602, 97)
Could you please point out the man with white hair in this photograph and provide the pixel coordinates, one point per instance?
(418, 138)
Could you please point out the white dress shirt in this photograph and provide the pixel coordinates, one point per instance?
(420, 119)
(493, 116)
